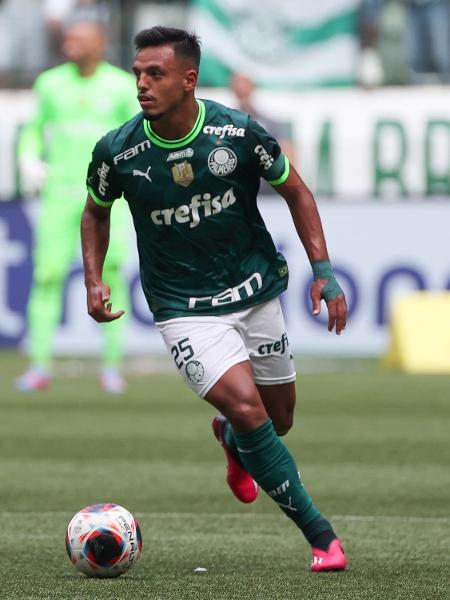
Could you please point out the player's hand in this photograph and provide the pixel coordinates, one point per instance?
(99, 306)
(33, 173)
(337, 307)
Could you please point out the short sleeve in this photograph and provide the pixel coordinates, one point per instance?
(270, 162)
(101, 180)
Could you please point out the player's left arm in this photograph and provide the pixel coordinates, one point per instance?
(308, 224)
(271, 164)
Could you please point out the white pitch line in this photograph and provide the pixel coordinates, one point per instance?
(404, 518)
(216, 515)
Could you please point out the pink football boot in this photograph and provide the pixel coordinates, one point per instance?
(331, 560)
(33, 380)
(241, 483)
(112, 382)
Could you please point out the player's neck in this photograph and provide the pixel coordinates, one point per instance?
(176, 125)
(88, 68)
(247, 106)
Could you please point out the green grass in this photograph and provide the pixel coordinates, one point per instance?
(373, 448)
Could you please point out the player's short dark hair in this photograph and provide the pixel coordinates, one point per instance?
(185, 43)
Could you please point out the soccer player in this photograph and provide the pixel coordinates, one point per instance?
(190, 171)
(77, 103)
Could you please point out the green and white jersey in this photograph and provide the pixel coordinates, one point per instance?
(203, 246)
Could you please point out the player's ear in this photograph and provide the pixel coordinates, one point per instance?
(190, 80)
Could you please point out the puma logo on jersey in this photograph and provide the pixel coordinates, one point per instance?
(200, 207)
(130, 152)
(138, 173)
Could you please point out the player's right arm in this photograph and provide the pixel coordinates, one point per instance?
(103, 189)
(30, 149)
(95, 226)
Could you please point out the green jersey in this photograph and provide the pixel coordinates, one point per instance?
(72, 113)
(203, 246)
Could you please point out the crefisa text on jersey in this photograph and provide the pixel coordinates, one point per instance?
(265, 159)
(102, 173)
(224, 130)
(190, 213)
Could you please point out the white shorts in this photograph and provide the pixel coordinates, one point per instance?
(205, 347)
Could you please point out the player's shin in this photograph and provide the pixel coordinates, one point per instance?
(229, 438)
(272, 466)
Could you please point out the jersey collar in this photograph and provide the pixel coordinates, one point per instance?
(187, 139)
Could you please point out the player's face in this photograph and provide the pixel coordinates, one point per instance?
(83, 41)
(163, 80)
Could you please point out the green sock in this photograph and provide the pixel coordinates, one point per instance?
(44, 314)
(230, 440)
(272, 466)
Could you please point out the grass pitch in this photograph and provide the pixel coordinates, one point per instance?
(373, 448)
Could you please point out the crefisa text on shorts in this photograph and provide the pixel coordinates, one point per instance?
(279, 346)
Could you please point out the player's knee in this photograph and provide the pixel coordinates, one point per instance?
(112, 268)
(244, 410)
(248, 411)
(48, 277)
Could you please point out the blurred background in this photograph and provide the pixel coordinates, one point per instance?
(357, 93)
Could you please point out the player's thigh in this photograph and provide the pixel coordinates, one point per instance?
(267, 343)
(264, 332)
(203, 349)
(57, 237)
(120, 235)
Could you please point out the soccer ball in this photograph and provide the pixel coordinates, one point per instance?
(103, 540)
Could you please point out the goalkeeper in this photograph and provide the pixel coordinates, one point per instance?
(77, 102)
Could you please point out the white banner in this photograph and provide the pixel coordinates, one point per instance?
(349, 144)
(391, 143)
(286, 44)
